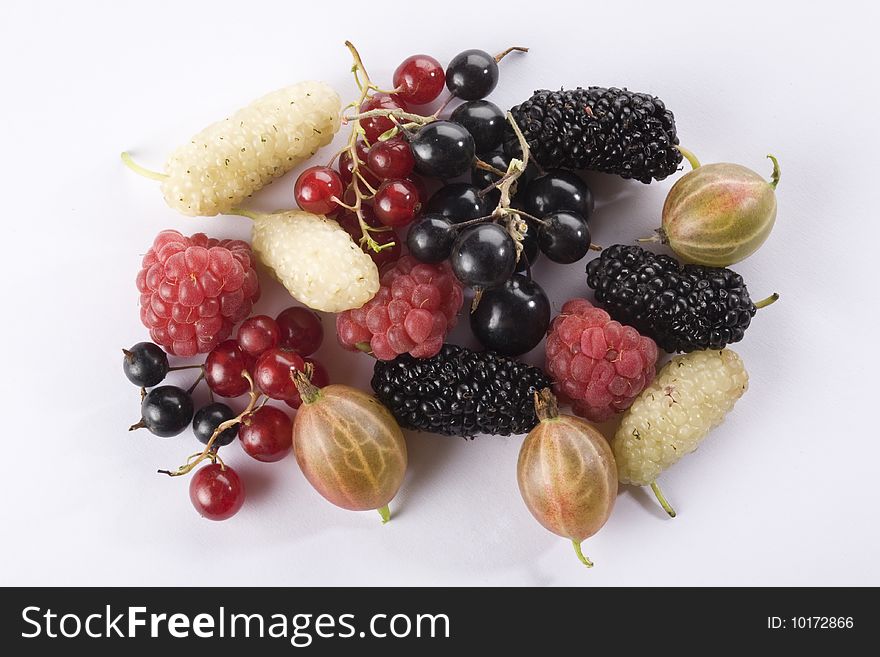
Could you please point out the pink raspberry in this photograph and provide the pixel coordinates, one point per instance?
(599, 365)
(416, 306)
(195, 289)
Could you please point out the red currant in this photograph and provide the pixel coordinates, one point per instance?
(319, 379)
(419, 79)
(352, 226)
(257, 334)
(300, 330)
(216, 492)
(375, 126)
(346, 167)
(391, 159)
(273, 372)
(396, 202)
(316, 188)
(266, 434)
(224, 367)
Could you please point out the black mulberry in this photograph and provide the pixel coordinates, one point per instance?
(609, 130)
(683, 307)
(460, 392)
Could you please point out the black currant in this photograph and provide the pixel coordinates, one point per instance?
(472, 74)
(165, 411)
(530, 250)
(430, 239)
(145, 364)
(458, 202)
(483, 256)
(558, 189)
(208, 418)
(564, 237)
(442, 149)
(512, 318)
(484, 120)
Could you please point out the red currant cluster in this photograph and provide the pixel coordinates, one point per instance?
(260, 362)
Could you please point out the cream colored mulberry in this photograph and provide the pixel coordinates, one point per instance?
(690, 396)
(231, 159)
(315, 259)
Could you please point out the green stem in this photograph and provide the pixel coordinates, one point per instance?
(385, 514)
(580, 555)
(138, 169)
(662, 499)
(250, 214)
(774, 177)
(763, 303)
(689, 156)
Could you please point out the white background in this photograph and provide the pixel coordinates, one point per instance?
(783, 493)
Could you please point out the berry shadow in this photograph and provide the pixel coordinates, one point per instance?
(427, 456)
(259, 478)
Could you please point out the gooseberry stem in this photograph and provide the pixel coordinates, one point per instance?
(763, 303)
(308, 391)
(662, 499)
(384, 513)
(546, 406)
(689, 156)
(142, 171)
(774, 177)
(580, 554)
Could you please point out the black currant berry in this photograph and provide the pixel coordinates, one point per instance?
(458, 202)
(483, 256)
(165, 411)
(472, 74)
(564, 237)
(208, 418)
(530, 250)
(484, 120)
(145, 364)
(512, 318)
(430, 239)
(442, 149)
(558, 189)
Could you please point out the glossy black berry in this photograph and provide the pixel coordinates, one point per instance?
(430, 239)
(564, 237)
(166, 411)
(484, 120)
(512, 318)
(682, 307)
(472, 74)
(458, 202)
(530, 249)
(611, 130)
(483, 256)
(460, 392)
(558, 189)
(442, 149)
(145, 364)
(208, 418)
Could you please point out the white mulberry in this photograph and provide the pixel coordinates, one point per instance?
(231, 159)
(315, 259)
(690, 396)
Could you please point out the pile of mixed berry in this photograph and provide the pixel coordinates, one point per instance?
(437, 206)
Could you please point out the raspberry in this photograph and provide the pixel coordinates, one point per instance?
(416, 306)
(195, 289)
(690, 396)
(599, 365)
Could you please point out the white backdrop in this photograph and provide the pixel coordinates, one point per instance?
(783, 493)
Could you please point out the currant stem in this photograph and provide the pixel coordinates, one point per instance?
(384, 513)
(209, 452)
(140, 425)
(580, 554)
(142, 171)
(485, 166)
(185, 367)
(505, 53)
(197, 381)
(662, 499)
(689, 156)
(763, 303)
(595, 247)
(774, 177)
